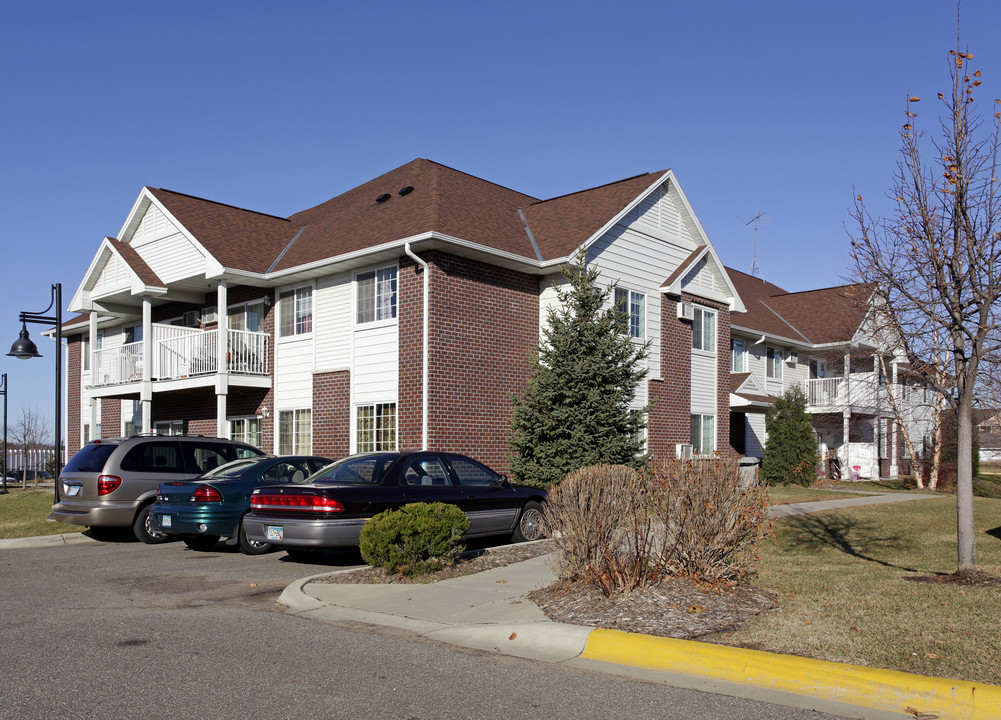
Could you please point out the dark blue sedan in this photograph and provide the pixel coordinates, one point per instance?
(212, 506)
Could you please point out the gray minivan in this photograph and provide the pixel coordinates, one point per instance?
(112, 482)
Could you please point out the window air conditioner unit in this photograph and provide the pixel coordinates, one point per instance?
(792, 358)
(209, 315)
(190, 318)
(684, 451)
(686, 311)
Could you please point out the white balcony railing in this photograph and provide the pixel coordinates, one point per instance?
(182, 352)
(856, 390)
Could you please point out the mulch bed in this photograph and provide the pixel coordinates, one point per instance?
(968, 578)
(676, 608)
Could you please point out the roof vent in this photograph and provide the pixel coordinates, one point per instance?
(407, 190)
(383, 198)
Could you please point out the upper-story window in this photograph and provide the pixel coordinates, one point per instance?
(737, 360)
(773, 364)
(632, 306)
(246, 316)
(295, 312)
(704, 329)
(376, 295)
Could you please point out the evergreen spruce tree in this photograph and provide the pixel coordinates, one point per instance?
(791, 451)
(575, 410)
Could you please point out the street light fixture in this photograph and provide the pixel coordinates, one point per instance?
(24, 348)
(3, 391)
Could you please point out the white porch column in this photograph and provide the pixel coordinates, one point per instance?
(92, 346)
(846, 469)
(899, 398)
(878, 426)
(146, 388)
(222, 352)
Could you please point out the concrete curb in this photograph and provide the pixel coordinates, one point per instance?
(885, 690)
(46, 541)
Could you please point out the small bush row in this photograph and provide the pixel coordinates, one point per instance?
(415, 539)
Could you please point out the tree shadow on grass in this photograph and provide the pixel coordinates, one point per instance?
(995, 532)
(858, 539)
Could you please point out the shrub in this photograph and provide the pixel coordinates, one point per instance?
(714, 519)
(791, 453)
(602, 520)
(417, 538)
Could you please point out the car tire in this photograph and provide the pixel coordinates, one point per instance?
(251, 547)
(201, 543)
(104, 533)
(304, 556)
(529, 525)
(145, 528)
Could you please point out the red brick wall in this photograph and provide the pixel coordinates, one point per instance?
(669, 420)
(332, 414)
(111, 417)
(74, 367)
(485, 325)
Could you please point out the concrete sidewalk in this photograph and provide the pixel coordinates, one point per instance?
(489, 611)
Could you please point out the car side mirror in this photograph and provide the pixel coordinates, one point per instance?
(503, 480)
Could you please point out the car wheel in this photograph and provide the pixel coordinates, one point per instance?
(304, 556)
(104, 532)
(529, 523)
(145, 527)
(251, 547)
(202, 543)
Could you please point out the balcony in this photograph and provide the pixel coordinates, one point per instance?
(857, 391)
(179, 353)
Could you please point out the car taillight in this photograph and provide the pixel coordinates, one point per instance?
(206, 493)
(107, 484)
(309, 503)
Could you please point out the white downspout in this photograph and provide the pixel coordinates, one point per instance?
(425, 332)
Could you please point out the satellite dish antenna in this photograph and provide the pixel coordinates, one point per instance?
(756, 220)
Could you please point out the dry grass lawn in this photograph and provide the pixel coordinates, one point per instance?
(849, 590)
(24, 513)
(788, 494)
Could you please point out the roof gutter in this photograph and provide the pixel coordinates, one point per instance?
(425, 332)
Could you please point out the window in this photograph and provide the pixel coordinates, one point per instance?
(773, 366)
(134, 424)
(472, 474)
(703, 434)
(295, 432)
(737, 356)
(632, 306)
(246, 430)
(704, 329)
(249, 316)
(169, 427)
(376, 427)
(376, 297)
(295, 313)
(426, 471)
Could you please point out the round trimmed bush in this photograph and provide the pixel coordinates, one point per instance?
(417, 538)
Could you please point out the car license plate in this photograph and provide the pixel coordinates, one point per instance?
(165, 521)
(72, 490)
(274, 532)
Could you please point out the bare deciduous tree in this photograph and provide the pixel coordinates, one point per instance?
(937, 259)
(29, 432)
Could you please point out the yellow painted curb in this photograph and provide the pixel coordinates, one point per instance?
(864, 686)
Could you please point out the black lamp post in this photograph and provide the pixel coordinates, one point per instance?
(3, 391)
(24, 348)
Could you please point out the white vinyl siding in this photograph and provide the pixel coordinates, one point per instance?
(332, 309)
(754, 438)
(375, 376)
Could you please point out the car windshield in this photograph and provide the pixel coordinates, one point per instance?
(233, 469)
(365, 470)
(90, 458)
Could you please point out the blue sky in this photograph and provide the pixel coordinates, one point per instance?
(781, 107)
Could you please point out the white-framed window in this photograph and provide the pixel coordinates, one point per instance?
(703, 434)
(704, 329)
(773, 363)
(375, 295)
(246, 316)
(247, 429)
(295, 432)
(376, 427)
(632, 306)
(134, 422)
(737, 355)
(295, 312)
(169, 427)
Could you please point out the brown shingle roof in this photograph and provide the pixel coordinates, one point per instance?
(816, 316)
(443, 200)
(143, 271)
(560, 225)
(237, 238)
